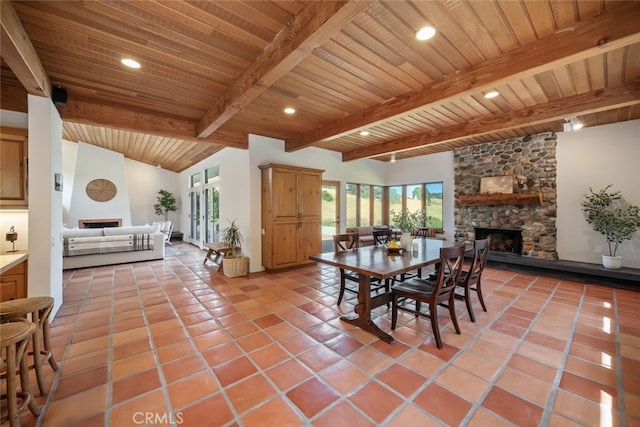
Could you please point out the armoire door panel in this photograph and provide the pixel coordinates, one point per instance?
(285, 193)
(285, 250)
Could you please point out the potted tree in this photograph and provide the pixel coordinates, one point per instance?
(236, 264)
(407, 222)
(609, 214)
(166, 202)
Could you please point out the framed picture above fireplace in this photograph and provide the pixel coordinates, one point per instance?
(496, 184)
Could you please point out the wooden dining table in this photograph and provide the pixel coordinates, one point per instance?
(376, 262)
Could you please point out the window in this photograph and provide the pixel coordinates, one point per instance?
(366, 203)
(433, 204)
(378, 215)
(352, 205)
(415, 197)
(212, 174)
(395, 198)
(194, 180)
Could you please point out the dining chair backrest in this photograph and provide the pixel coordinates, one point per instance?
(343, 242)
(381, 236)
(479, 260)
(451, 260)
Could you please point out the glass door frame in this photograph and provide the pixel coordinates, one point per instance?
(336, 185)
(208, 218)
(195, 218)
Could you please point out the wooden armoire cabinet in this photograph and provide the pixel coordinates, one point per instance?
(291, 215)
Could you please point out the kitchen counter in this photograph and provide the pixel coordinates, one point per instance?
(10, 260)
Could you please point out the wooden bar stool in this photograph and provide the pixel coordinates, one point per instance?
(14, 338)
(39, 308)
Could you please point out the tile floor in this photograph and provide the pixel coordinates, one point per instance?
(174, 342)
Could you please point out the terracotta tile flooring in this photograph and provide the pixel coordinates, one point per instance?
(175, 342)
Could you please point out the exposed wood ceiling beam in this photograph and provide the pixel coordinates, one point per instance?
(610, 31)
(19, 53)
(317, 22)
(122, 118)
(590, 102)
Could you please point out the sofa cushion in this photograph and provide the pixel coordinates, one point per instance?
(136, 229)
(74, 246)
(82, 232)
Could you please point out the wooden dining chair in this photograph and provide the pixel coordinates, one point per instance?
(434, 293)
(382, 236)
(345, 242)
(471, 279)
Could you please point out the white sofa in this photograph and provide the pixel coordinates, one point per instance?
(92, 247)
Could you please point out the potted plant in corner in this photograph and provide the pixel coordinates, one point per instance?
(166, 202)
(236, 264)
(407, 222)
(609, 214)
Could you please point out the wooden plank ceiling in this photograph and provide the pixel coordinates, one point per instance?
(214, 71)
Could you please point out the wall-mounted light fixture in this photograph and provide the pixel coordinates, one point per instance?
(571, 123)
(576, 124)
(393, 157)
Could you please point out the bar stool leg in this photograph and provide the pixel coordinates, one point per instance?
(26, 386)
(16, 353)
(12, 399)
(37, 359)
(47, 344)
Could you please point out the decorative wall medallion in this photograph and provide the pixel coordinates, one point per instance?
(101, 190)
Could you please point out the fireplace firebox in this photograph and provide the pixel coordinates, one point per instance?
(502, 239)
(99, 223)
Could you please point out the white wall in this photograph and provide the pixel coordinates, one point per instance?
(235, 193)
(143, 182)
(98, 163)
(596, 157)
(45, 204)
(138, 185)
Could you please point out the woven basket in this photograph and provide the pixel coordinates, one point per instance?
(235, 265)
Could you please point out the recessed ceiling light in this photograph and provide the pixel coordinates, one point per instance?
(491, 94)
(364, 132)
(425, 33)
(289, 110)
(131, 63)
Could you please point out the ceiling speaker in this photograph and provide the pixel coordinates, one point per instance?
(59, 95)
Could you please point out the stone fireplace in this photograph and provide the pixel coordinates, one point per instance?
(527, 214)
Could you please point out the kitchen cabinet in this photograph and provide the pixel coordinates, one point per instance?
(13, 168)
(291, 215)
(13, 282)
